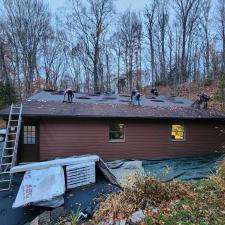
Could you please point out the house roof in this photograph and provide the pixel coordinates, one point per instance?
(50, 104)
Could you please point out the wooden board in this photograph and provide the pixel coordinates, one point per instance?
(107, 172)
(56, 162)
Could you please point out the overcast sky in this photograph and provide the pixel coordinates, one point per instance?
(121, 5)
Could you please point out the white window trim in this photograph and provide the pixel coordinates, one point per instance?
(35, 137)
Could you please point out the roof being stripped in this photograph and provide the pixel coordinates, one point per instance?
(50, 104)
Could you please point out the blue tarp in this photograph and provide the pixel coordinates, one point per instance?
(190, 168)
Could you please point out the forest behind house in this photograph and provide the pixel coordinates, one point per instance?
(90, 46)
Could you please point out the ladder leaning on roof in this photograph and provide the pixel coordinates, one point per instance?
(9, 151)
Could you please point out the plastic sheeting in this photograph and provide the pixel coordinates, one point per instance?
(191, 168)
(39, 186)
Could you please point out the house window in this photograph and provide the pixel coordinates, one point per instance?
(178, 133)
(29, 135)
(116, 132)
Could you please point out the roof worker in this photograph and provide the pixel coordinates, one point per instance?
(204, 98)
(133, 94)
(70, 95)
(154, 91)
(138, 98)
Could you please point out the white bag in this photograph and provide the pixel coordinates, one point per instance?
(40, 185)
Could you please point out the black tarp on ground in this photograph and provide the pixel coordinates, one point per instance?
(78, 198)
(190, 168)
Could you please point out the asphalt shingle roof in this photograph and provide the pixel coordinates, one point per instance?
(50, 104)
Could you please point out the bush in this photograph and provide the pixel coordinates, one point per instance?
(160, 83)
(146, 192)
(7, 93)
(221, 171)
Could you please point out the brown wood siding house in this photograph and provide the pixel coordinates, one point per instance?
(84, 128)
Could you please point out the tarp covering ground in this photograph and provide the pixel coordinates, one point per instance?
(190, 168)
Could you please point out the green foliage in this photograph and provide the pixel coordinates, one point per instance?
(7, 93)
(138, 87)
(221, 171)
(208, 82)
(75, 217)
(160, 83)
(204, 205)
(220, 94)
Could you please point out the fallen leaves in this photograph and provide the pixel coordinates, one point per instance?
(186, 207)
(198, 203)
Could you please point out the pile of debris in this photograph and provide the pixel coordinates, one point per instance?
(57, 176)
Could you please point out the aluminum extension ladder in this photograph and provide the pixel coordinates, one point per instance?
(9, 151)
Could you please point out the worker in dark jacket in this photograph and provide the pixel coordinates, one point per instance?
(204, 98)
(138, 98)
(133, 93)
(154, 91)
(70, 95)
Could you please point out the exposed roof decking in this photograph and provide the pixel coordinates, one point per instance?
(47, 104)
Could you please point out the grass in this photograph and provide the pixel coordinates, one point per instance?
(176, 203)
(72, 218)
(205, 206)
(75, 217)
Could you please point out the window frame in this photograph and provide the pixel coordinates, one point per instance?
(116, 140)
(184, 133)
(30, 135)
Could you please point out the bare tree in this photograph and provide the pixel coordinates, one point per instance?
(206, 6)
(54, 59)
(188, 12)
(163, 19)
(150, 14)
(27, 25)
(90, 24)
(221, 10)
(116, 42)
(131, 34)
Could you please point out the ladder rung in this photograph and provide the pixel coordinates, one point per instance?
(7, 172)
(12, 129)
(6, 164)
(3, 181)
(6, 189)
(7, 156)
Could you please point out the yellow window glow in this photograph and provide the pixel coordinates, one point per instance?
(178, 132)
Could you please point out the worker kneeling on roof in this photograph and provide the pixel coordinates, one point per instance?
(69, 93)
(204, 100)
